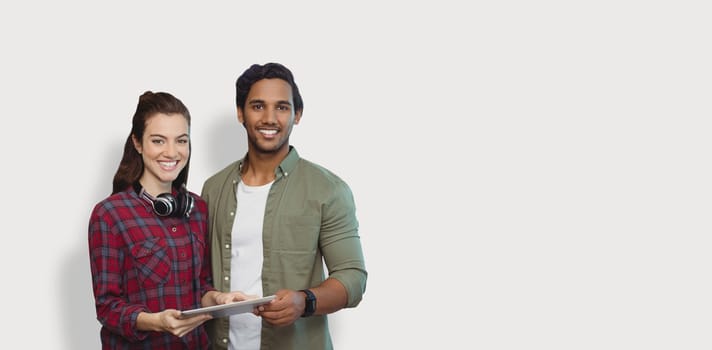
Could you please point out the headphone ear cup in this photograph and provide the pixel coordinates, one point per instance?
(190, 201)
(186, 202)
(164, 205)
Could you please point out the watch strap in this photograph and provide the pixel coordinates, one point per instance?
(309, 303)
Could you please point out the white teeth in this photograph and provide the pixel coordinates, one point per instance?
(168, 164)
(268, 132)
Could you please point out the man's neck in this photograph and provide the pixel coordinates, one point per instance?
(259, 168)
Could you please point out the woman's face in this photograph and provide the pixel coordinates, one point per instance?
(165, 149)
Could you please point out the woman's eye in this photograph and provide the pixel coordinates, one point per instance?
(183, 141)
(157, 141)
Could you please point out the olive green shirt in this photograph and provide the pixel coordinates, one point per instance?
(309, 221)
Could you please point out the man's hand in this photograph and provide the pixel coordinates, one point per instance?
(286, 308)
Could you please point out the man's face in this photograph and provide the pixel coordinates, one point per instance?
(269, 115)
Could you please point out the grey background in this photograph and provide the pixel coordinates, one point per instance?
(527, 174)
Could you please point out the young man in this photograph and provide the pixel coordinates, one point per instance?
(274, 220)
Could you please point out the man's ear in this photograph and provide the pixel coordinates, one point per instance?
(297, 116)
(240, 116)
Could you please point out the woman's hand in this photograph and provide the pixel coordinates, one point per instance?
(171, 321)
(230, 297)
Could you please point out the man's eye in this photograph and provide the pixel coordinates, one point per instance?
(283, 108)
(258, 107)
(183, 141)
(157, 141)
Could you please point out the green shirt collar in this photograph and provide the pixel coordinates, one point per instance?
(288, 164)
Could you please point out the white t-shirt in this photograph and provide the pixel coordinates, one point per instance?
(246, 262)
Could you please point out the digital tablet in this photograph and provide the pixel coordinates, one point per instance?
(228, 309)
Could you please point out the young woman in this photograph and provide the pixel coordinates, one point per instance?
(147, 240)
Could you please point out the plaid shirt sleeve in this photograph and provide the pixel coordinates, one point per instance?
(107, 254)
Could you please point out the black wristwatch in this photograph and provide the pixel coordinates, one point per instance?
(309, 303)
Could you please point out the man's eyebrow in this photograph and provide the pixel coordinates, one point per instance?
(259, 101)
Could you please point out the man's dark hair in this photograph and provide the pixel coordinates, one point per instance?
(267, 71)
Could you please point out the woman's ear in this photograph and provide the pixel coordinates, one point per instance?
(137, 144)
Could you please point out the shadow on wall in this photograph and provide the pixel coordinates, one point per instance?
(78, 316)
(76, 297)
(227, 143)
